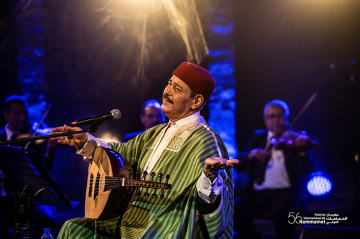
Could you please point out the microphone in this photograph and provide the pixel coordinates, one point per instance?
(98, 119)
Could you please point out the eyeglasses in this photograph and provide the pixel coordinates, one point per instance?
(272, 116)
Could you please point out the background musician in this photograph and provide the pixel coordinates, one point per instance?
(275, 172)
(150, 116)
(200, 202)
(16, 115)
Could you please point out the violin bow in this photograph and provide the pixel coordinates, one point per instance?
(39, 123)
(308, 103)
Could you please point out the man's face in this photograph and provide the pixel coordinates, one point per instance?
(177, 102)
(17, 117)
(151, 117)
(274, 119)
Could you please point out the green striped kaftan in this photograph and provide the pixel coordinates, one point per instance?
(175, 216)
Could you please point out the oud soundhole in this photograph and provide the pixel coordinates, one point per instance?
(96, 191)
(90, 184)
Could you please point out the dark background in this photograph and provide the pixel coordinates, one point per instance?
(284, 50)
(288, 50)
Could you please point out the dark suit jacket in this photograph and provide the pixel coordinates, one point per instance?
(8, 187)
(296, 165)
(3, 135)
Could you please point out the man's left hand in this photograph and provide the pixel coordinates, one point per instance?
(213, 164)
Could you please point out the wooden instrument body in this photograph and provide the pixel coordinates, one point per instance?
(99, 202)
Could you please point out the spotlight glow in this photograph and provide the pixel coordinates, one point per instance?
(319, 184)
(143, 27)
(108, 137)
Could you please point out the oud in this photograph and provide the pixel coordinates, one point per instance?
(110, 185)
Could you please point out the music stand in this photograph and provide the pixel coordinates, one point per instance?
(30, 177)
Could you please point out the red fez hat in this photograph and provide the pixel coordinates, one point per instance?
(197, 78)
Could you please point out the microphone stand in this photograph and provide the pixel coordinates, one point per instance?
(93, 128)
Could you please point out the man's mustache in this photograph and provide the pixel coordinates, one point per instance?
(168, 99)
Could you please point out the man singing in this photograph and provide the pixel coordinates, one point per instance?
(200, 202)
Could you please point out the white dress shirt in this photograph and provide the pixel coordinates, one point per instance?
(276, 176)
(9, 133)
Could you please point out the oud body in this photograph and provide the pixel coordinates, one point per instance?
(102, 202)
(110, 184)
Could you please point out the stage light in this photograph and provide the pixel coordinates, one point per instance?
(108, 137)
(319, 184)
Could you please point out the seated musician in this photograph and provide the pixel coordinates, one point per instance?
(275, 172)
(16, 115)
(200, 202)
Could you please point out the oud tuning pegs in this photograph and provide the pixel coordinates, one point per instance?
(162, 193)
(144, 178)
(162, 190)
(131, 188)
(167, 182)
(137, 177)
(144, 175)
(152, 180)
(160, 176)
(151, 184)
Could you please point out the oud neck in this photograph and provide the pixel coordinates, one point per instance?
(125, 182)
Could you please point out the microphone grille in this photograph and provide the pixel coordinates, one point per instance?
(116, 113)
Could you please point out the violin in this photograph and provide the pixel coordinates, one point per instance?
(33, 130)
(293, 139)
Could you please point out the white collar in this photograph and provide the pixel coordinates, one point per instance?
(270, 135)
(9, 133)
(187, 119)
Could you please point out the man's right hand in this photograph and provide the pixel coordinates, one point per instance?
(80, 139)
(259, 153)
